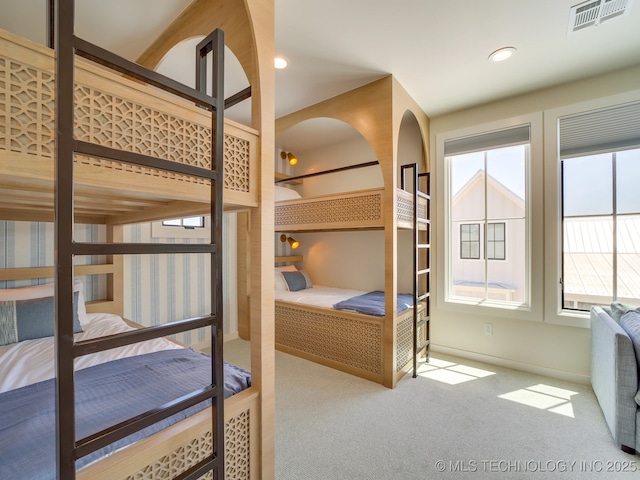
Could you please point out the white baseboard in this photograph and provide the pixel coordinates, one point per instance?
(524, 367)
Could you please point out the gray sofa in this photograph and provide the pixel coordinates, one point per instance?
(614, 375)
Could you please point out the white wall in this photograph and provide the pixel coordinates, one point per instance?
(550, 341)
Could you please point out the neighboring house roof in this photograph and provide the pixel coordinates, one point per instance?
(491, 183)
(588, 253)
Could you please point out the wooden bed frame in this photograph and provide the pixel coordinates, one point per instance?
(357, 210)
(108, 104)
(145, 120)
(389, 110)
(347, 341)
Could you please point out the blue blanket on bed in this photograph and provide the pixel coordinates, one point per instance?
(106, 394)
(372, 303)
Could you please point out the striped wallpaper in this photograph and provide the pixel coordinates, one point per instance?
(30, 244)
(157, 288)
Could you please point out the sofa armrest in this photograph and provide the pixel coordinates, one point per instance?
(614, 376)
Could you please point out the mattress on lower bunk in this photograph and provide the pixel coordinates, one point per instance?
(111, 387)
(367, 303)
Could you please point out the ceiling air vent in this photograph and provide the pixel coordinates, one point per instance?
(593, 12)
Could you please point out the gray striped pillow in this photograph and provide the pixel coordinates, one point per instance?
(29, 319)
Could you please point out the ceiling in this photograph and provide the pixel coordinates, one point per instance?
(437, 50)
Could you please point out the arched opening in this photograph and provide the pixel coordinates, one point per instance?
(179, 63)
(345, 259)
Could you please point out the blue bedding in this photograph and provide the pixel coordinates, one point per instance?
(372, 303)
(106, 394)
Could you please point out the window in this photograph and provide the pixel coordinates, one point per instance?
(196, 228)
(470, 241)
(187, 222)
(600, 168)
(600, 224)
(496, 241)
(487, 179)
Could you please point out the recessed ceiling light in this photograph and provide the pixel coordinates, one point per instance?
(280, 63)
(502, 54)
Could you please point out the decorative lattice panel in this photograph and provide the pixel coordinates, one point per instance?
(404, 339)
(27, 113)
(27, 126)
(405, 209)
(172, 465)
(237, 465)
(236, 164)
(352, 209)
(346, 341)
(183, 458)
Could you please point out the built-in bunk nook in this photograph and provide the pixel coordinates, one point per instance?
(378, 346)
(124, 152)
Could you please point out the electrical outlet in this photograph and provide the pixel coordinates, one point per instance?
(488, 328)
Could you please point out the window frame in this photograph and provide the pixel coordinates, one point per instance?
(554, 313)
(159, 230)
(534, 218)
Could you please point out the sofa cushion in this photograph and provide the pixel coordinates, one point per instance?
(619, 309)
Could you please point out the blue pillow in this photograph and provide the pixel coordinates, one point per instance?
(29, 319)
(296, 281)
(619, 309)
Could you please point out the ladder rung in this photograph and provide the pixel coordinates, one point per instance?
(423, 272)
(423, 195)
(424, 296)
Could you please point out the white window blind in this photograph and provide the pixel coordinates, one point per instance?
(487, 141)
(611, 129)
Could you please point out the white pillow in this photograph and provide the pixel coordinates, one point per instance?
(279, 282)
(287, 268)
(283, 193)
(45, 290)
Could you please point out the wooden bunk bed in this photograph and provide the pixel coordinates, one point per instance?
(117, 113)
(346, 340)
(356, 210)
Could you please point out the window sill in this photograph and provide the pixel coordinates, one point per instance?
(493, 308)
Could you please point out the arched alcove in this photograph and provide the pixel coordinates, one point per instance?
(179, 63)
(322, 144)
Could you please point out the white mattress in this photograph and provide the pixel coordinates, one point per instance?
(317, 296)
(32, 361)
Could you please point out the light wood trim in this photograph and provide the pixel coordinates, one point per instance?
(282, 176)
(288, 258)
(26, 273)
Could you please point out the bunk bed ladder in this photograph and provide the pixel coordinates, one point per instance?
(68, 46)
(421, 262)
